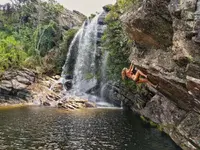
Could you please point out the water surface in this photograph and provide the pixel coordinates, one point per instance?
(94, 129)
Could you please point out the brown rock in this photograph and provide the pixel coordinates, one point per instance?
(90, 105)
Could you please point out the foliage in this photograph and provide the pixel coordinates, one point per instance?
(124, 5)
(92, 16)
(11, 52)
(117, 43)
(64, 46)
(29, 30)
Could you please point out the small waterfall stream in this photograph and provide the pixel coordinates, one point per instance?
(85, 62)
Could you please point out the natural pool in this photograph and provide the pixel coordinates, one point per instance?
(89, 129)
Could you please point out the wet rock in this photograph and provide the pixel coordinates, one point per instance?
(67, 77)
(90, 105)
(57, 77)
(68, 84)
(116, 93)
(107, 8)
(46, 104)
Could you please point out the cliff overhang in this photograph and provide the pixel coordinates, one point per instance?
(166, 35)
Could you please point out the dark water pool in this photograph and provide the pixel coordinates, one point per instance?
(94, 129)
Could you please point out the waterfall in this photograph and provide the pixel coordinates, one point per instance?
(84, 72)
(72, 52)
(103, 74)
(85, 62)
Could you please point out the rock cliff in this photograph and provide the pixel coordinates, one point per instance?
(70, 19)
(14, 86)
(167, 38)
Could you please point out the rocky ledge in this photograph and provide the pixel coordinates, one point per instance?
(166, 35)
(27, 87)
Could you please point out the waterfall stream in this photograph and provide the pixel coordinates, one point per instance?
(85, 62)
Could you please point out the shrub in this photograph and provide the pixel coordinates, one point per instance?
(12, 54)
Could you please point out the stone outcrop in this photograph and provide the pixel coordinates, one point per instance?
(166, 35)
(27, 87)
(116, 93)
(14, 86)
(70, 19)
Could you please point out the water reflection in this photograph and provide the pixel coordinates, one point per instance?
(100, 129)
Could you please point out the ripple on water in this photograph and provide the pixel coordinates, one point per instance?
(43, 128)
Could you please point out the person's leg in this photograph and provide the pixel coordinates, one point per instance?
(137, 75)
(141, 80)
(141, 73)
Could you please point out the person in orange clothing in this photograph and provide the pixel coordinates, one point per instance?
(136, 75)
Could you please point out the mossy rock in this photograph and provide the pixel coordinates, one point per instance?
(107, 8)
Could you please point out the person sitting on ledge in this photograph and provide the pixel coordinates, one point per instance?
(136, 75)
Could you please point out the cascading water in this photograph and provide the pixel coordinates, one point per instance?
(103, 74)
(84, 70)
(85, 61)
(72, 52)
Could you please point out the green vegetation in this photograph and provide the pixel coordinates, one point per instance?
(160, 127)
(124, 5)
(30, 36)
(11, 52)
(92, 16)
(117, 42)
(64, 46)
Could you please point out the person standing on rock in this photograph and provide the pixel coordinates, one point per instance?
(136, 75)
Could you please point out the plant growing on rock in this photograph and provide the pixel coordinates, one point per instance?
(117, 43)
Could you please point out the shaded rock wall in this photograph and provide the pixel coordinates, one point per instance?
(14, 86)
(166, 35)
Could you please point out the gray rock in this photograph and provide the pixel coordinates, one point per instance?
(7, 85)
(18, 85)
(163, 111)
(46, 104)
(23, 80)
(14, 83)
(190, 128)
(189, 5)
(70, 19)
(167, 37)
(150, 24)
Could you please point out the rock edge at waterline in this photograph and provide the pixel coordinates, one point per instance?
(25, 87)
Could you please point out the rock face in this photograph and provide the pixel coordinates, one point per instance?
(70, 19)
(166, 35)
(14, 86)
(26, 87)
(116, 93)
